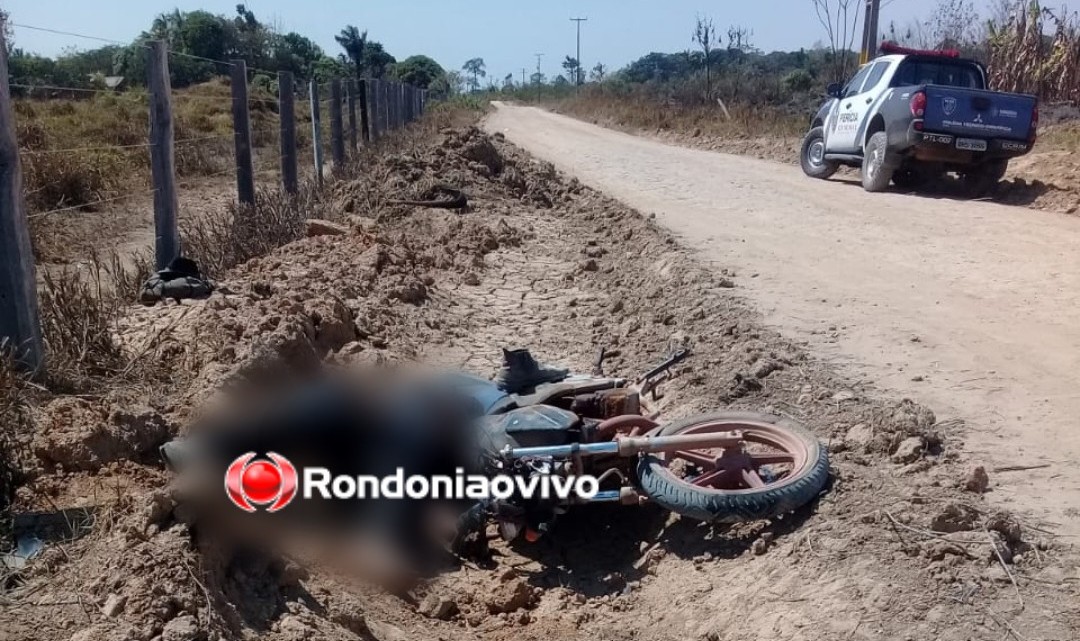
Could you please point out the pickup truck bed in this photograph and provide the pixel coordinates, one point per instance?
(978, 113)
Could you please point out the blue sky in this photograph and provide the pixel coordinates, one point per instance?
(506, 33)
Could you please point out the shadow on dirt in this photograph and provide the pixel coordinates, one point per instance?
(1016, 192)
(598, 550)
(593, 550)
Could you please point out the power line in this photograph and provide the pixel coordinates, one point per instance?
(67, 33)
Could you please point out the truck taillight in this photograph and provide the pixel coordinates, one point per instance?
(918, 104)
(1034, 124)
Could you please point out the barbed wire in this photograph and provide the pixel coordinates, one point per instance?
(181, 96)
(112, 92)
(91, 204)
(181, 54)
(193, 181)
(143, 145)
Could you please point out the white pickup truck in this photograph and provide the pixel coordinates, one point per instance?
(910, 116)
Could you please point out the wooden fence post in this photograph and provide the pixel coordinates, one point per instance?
(396, 87)
(388, 124)
(372, 87)
(287, 115)
(245, 170)
(392, 91)
(316, 134)
(337, 134)
(365, 109)
(350, 92)
(162, 157)
(20, 324)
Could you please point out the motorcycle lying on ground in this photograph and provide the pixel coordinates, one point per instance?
(721, 467)
(535, 421)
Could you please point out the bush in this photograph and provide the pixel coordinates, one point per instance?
(798, 81)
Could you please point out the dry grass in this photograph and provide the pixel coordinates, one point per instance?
(15, 426)
(79, 313)
(639, 110)
(226, 238)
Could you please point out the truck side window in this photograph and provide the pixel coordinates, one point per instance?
(874, 77)
(853, 87)
(938, 72)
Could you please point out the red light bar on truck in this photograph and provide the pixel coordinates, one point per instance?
(889, 47)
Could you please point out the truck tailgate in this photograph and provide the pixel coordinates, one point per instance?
(977, 113)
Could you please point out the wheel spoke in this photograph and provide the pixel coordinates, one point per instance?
(704, 461)
(771, 458)
(707, 480)
(752, 479)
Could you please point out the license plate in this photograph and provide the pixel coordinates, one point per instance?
(937, 139)
(971, 144)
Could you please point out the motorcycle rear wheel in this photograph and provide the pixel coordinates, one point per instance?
(780, 467)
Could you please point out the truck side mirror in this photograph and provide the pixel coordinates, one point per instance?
(833, 89)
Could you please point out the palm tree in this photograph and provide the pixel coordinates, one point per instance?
(167, 26)
(354, 42)
(475, 67)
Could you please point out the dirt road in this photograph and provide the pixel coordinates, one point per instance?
(972, 308)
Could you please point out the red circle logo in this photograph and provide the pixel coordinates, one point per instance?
(261, 482)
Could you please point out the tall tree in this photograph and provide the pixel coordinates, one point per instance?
(571, 65)
(598, 72)
(838, 17)
(419, 71)
(738, 46)
(706, 38)
(354, 42)
(477, 69)
(377, 62)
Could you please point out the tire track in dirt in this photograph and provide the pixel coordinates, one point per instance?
(971, 307)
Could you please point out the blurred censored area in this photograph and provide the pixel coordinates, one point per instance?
(365, 422)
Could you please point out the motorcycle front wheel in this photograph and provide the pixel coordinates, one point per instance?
(778, 467)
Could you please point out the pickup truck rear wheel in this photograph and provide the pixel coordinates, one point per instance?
(877, 171)
(907, 178)
(979, 180)
(812, 156)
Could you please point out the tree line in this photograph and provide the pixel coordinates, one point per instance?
(203, 37)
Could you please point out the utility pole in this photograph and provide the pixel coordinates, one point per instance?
(870, 31)
(577, 81)
(539, 57)
(523, 83)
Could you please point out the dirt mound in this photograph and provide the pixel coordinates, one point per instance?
(75, 435)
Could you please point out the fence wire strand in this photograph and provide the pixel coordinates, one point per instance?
(92, 203)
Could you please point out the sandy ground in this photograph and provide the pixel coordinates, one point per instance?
(970, 307)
